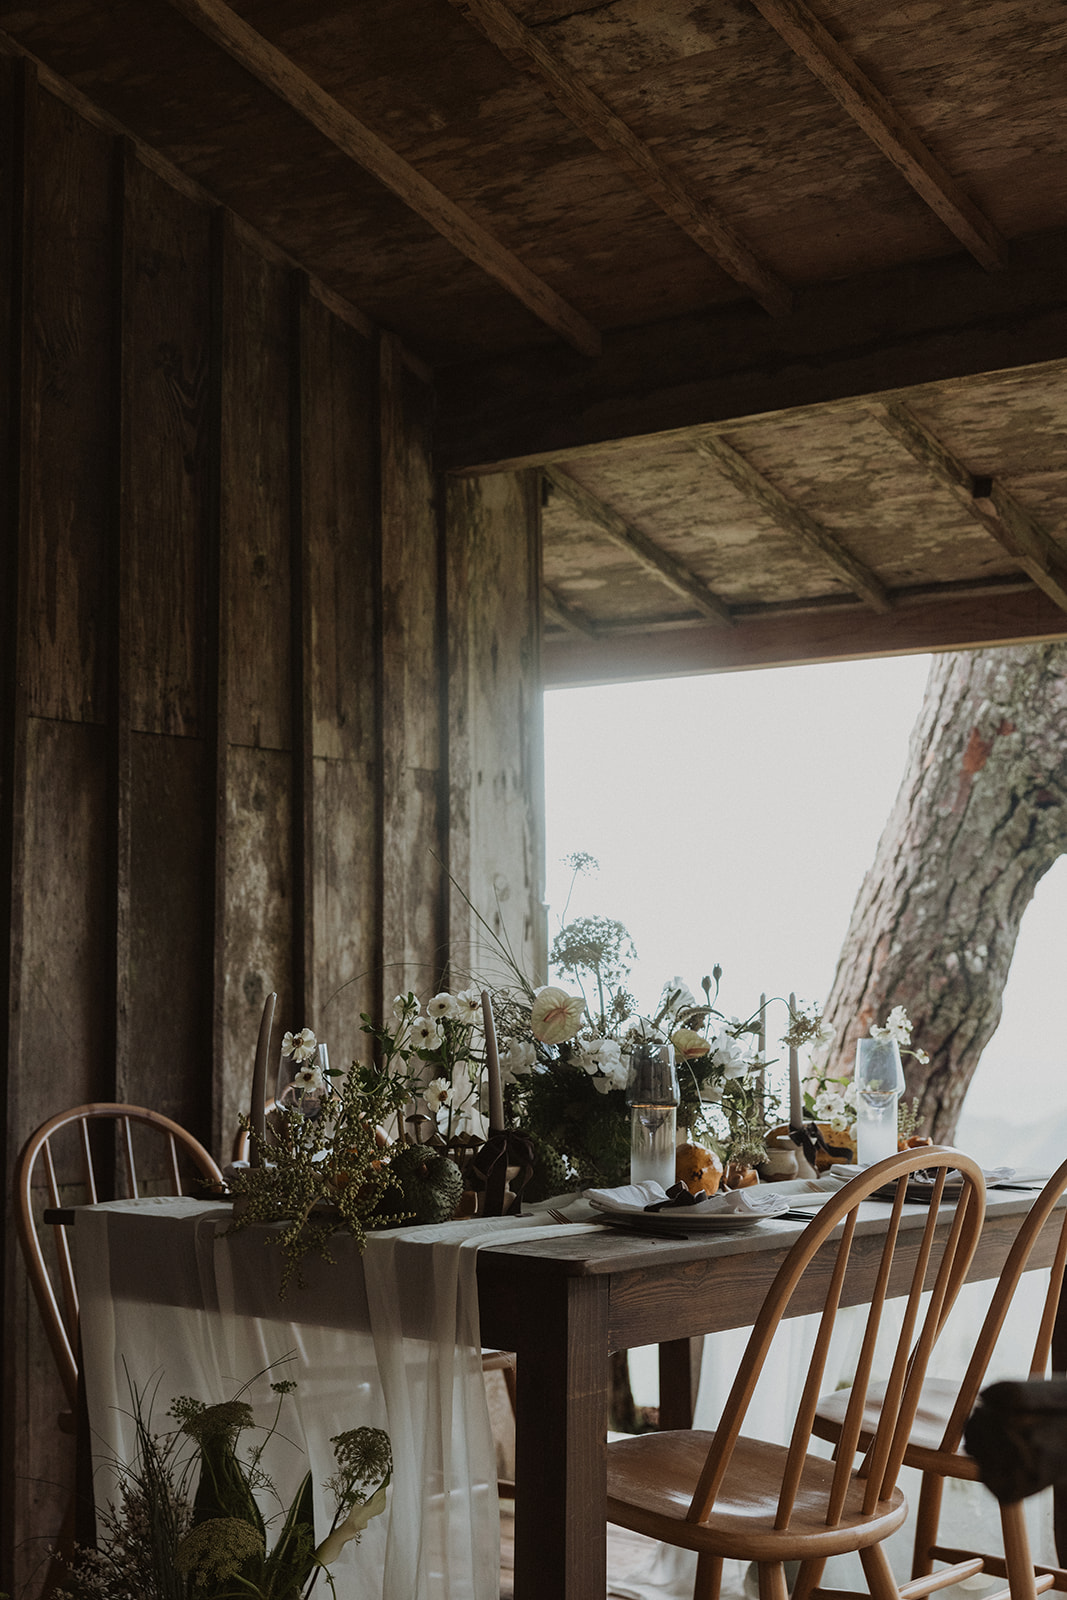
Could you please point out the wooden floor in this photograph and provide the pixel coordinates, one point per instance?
(626, 1553)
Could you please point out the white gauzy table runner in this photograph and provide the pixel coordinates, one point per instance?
(173, 1305)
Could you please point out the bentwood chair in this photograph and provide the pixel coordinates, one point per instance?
(726, 1495)
(62, 1162)
(935, 1444)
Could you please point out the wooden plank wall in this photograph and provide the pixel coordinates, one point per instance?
(261, 697)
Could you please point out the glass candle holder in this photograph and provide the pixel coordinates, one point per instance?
(879, 1080)
(652, 1095)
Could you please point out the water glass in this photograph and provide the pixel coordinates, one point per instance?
(879, 1080)
(652, 1095)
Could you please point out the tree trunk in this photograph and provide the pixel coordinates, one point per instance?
(980, 817)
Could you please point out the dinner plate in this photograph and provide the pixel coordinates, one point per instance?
(680, 1219)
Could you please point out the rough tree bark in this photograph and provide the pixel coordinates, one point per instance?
(980, 817)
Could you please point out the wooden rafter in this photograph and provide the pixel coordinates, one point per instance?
(882, 124)
(795, 520)
(637, 544)
(557, 610)
(660, 181)
(309, 100)
(1028, 543)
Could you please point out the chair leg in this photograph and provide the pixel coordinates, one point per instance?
(927, 1517)
(1017, 1556)
(808, 1579)
(709, 1577)
(879, 1574)
(772, 1583)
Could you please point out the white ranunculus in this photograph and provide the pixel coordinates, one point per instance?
(442, 1005)
(310, 1080)
(729, 1055)
(469, 1006)
(400, 1007)
(437, 1094)
(300, 1046)
(425, 1034)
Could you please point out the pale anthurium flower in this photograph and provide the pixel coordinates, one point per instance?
(469, 1006)
(425, 1034)
(351, 1527)
(518, 1059)
(689, 1044)
(301, 1046)
(442, 1005)
(555, 1015)
(437, 1094)
(310, 1080)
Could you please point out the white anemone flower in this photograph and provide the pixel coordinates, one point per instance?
(469, 1006)
(437, 1094)
(425, 1034)
(310, 1080)
(442, 1005)
(300, 1046)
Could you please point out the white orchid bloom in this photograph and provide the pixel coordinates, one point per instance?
(351, 1527)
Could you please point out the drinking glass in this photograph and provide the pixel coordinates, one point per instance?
(879, 1080)
(652, 1095)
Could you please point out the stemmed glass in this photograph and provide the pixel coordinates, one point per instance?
(879, 1080)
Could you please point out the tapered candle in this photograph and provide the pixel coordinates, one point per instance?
(796, 1104)
(256, 1115)
(492, 1066)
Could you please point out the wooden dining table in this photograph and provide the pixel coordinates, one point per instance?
(564, 1298)
(564, 1303)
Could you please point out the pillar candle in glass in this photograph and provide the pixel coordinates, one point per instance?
(879, 1080)
(652, 1095)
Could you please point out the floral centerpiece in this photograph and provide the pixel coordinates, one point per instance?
(566, 1062)
(340, 1150)
(188, 1524)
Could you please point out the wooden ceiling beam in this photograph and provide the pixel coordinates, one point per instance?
(883, 125)
(1028, 543)
(844, 633)
(354, 139)
(793, 519)
(659, 179)
(875, 334)
(638, 545)
(556, 609)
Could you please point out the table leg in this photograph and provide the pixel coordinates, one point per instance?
(561, 1412)
(679, 1380)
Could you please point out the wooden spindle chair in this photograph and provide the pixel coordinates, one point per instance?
(935, 1443)
(726, 1495)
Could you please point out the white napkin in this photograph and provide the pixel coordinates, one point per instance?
(844, 1170)
(757, 1199)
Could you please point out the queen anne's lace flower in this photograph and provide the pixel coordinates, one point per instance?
(217, 1548)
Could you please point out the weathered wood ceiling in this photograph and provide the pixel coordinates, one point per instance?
(775, 297)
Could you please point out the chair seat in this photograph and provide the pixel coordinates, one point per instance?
(924, 1441)
(650, 1485)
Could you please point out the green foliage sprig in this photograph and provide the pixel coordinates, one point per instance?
(188, 1523)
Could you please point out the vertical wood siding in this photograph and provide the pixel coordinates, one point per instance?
(260, 695)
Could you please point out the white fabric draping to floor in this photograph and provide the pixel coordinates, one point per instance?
(388, 1340)
(969, 1517)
